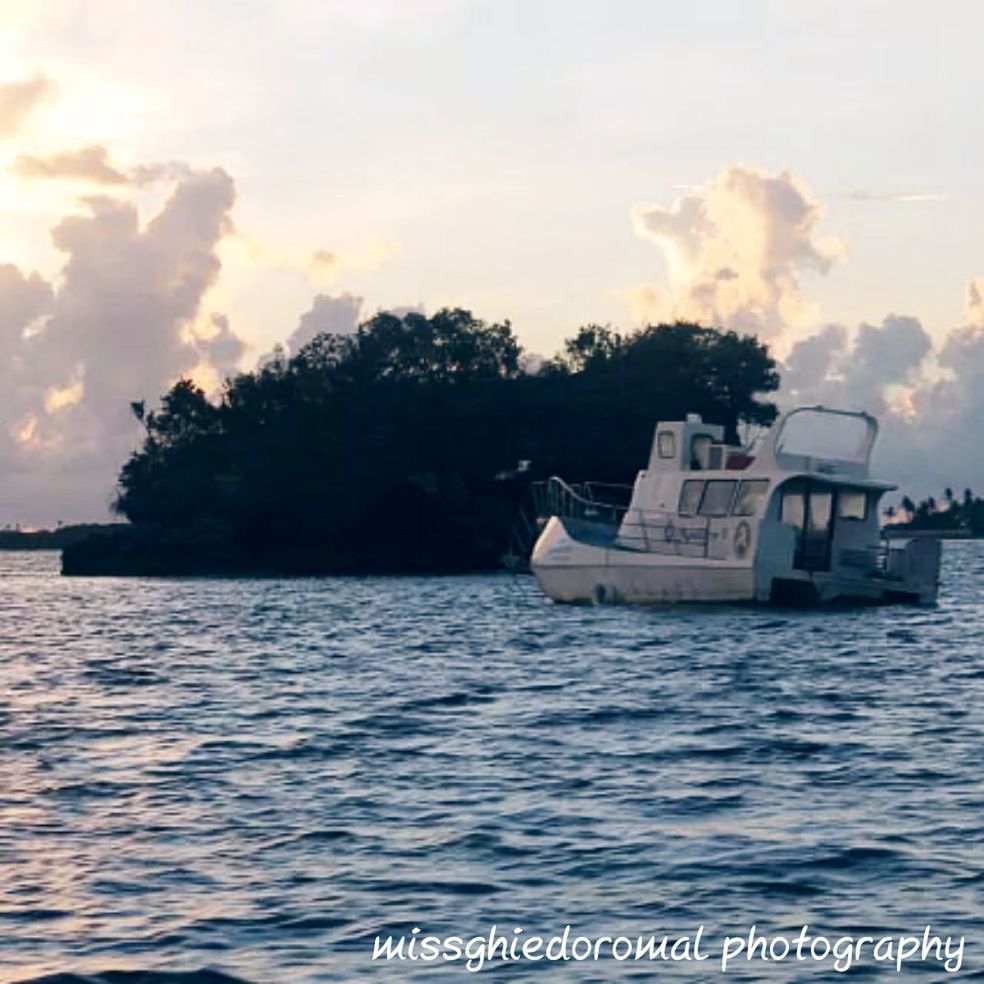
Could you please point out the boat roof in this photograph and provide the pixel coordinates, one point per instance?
(817, 442)
(871, 484)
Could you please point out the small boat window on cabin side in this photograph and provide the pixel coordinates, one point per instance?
(793, 505)
(667, 444)
(717, 498)
(700, 452)
(852, 504)
(690, 495)
(821, 510)
(750, 494)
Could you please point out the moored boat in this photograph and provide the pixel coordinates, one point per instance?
(792, 519)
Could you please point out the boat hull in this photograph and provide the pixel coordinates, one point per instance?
(594, 570)
(576, 571)
(648, 585)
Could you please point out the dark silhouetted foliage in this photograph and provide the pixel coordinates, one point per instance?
(398, 448)
(964, 516)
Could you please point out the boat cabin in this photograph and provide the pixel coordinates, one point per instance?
(802, 493)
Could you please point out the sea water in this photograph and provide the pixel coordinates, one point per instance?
(260, 778)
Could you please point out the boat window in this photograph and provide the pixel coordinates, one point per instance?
(717, 498)
(852, 504)
(793, 506)
(750, 495)
(666, 444)
(700, 452)
(821, 508)
(690, 495)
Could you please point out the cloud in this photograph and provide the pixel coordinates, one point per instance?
(117, 329)
(975, 300)
(813, 361)
(856, 371)
(323, 266)
(221, 348)
(92, 164)
(402, 310)
(85, 164)
(336, 314)
(898, 196)
(324, 261)
(737, 250)
(128, 291)
(145, 174)
(18, 99)
(22, 300)
(888, 355)
(930, 402)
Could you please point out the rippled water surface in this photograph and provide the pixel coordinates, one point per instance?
(257, 777)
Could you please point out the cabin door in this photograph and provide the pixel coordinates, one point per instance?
(809, 508)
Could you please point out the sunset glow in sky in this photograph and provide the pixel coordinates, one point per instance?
(184, 185)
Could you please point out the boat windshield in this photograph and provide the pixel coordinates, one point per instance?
(825, 434)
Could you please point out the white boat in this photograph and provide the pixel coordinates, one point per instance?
(793, 519)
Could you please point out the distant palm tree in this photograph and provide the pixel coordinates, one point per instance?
(908, 505)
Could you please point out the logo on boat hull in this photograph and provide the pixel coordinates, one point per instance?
(743, 538)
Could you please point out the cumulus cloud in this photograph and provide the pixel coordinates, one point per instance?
(887, 355)
(221, 348)
(856, 371)
(22, 300)
(18, 99)
(127, 291)
(813, 362)
(117, 329)
(947, 412)
(336, 314)
(737, 249)
(929, 401)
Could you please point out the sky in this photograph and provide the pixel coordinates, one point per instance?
(185, 185)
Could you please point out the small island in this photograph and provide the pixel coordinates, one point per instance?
(62, 536)
(950, 517)
(406, 447)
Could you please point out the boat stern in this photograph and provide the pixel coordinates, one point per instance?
(914, 565)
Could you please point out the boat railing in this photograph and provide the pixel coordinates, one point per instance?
(663, 533)
(645, 530)
(596, 502)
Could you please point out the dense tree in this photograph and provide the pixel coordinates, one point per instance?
(592, 347)
(396, 448)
